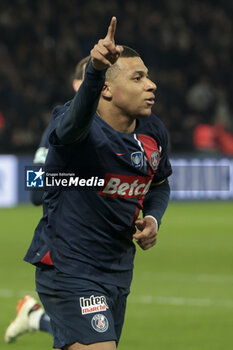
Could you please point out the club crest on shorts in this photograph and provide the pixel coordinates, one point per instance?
(154, 160)
(137, 159)
(100, 323)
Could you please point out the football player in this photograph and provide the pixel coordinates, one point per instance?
(30, 316)
(83, 247)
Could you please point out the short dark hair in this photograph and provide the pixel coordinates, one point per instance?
(81, 68)
(126, 53)
(129, 52)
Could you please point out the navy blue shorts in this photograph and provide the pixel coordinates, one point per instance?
(81, 310)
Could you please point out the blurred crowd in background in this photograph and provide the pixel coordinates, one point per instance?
(187, 46)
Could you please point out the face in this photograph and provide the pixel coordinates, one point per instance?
(132, 90)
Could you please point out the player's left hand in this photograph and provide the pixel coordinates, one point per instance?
(148, 235)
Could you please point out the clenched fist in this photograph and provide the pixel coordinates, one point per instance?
(148, 235)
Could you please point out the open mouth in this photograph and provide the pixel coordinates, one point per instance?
(150, 101)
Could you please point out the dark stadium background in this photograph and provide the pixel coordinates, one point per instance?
(185, 44)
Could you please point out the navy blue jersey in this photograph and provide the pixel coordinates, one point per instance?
(88, 232)
(36, 197)
(42, 151)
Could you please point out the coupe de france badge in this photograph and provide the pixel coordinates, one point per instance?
(137, 159)
(154, 160)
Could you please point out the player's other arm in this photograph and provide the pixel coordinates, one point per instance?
(154, 206)
(156, 200)
(76, 120)
(36, 197)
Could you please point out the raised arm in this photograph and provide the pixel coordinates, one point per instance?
(74, 124)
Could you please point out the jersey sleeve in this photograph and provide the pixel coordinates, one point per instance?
(36, 197)
(42, 151)
(75, 120)
(156, 200)
(164, 169)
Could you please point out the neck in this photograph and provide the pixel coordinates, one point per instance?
(117, 120)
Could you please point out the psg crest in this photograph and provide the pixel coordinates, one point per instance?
(154, 160)
(100, 323)
(137, 159)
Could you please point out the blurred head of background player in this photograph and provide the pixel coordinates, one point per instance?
(79, 73)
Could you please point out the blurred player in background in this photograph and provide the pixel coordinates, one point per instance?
(30, 316)
(83, 246)
(41, 153)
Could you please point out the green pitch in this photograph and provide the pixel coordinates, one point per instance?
(182, 293)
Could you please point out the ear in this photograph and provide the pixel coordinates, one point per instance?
(106, 91)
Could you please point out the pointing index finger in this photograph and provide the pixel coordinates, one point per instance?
(111, 29)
